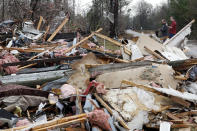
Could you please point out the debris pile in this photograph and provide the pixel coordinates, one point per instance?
(93, 82)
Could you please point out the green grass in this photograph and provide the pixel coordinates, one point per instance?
(108, 45)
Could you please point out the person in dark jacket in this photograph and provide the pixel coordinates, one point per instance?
(164, 29)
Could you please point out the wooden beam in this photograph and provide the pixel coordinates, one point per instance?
(153, 53)
(83, 40)
(141, 87)
(114, 42)
(59, 124)
(59, 28)
(39, 23)
(171, 116)
(46, 33)
(180, 101)
(111, 111)
(27, 50)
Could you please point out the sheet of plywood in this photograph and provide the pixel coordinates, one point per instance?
(148, 42)
(162, 74)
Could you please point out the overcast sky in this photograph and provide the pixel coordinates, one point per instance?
(84, 4)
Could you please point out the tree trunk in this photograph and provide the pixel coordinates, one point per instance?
(116, 6)
(33, 5)
(114, 9)
(112, 31)
(3, 10)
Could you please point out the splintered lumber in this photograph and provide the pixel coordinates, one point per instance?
(36, 57)
(39, 23)
(34, 78)
(188, 113)
(59, 28)
(46, 33)
(111, 111)
(60, 122)
(28, 50)
(183, 125)
(171, 116)
(183, 78)
(114, 42)
(182, 64)
(53, 124)
(30, 65)
(141, 87)
(153, 53)
(83, 40)
(180, 101)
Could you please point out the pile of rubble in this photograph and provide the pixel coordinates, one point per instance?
(81, 83)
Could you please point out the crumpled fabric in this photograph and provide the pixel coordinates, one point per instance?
(67, 90)
(99, 118)
(6, 57)
(22, 101)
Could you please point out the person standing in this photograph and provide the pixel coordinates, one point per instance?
(172, 27)
(164, 28)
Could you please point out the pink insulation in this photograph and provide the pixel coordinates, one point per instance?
(67, 90)
(8, 58)
(23, 122)
(99, 118)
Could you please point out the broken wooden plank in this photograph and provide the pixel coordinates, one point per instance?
(60, 124)
(59, 28)
(30, 65)
(83, 40)
(141, 87)
(114, 42)
(39, 23)
(180, 101)
(27, 50)
(182, 64)
(183, 78)
(171, 116)
(188, 113)
(111, 111)
(153, 53)
(46, 33)
(183, 125)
